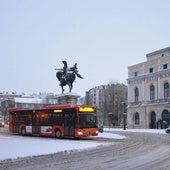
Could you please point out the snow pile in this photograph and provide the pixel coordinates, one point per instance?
(111, 135)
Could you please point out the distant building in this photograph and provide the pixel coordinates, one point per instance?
(9, 96)
(149, 91)
(38, 101)
(29, 102)
(94, 97)
(81, 101)
(6, 101)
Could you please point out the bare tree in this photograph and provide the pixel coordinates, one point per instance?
(114, 95)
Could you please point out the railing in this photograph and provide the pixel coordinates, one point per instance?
(158, 101)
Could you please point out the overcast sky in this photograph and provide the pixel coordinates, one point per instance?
(103, 37)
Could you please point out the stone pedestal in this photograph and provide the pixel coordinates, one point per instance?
(68, 98)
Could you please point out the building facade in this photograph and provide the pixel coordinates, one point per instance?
(94, 97)
(149, 91)
(8, 100)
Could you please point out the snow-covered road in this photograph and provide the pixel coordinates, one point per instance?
(15, 146)
(113, 149)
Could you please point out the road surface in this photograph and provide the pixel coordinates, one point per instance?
(139, 151)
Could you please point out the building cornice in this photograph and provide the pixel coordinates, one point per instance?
(161, 73)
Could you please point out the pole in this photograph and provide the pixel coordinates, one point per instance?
(124, 121)
(124, 115)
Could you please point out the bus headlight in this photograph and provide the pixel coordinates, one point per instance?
(80, 133)
(97, 131)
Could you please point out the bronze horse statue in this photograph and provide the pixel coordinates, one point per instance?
(67, 76)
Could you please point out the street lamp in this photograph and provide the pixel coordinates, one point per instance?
(124, 121)
(124, 115)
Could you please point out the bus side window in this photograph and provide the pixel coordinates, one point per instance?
(57, 118)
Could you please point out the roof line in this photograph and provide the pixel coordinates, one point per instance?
(158, 51)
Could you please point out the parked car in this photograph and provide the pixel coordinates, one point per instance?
(101, 128)
(167, 130)
(2, 123)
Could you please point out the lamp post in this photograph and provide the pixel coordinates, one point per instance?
(124, 115)
(124, 121)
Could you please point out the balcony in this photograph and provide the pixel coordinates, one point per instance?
(150, 102)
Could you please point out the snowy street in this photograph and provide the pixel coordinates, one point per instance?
(130, 149)
(16, 146)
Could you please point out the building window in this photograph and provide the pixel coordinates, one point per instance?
(166, 90)
(135, 73)
(136, 95)
(166, 118)
(151, 70)
(152, 92)
(137, 118)
(165, 66)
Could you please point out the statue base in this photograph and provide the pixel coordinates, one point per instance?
(68, 98)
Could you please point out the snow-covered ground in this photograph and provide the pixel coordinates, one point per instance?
(13, 146)
(162, 131)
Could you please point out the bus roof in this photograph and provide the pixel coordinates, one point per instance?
(66, 106)
(44, 108)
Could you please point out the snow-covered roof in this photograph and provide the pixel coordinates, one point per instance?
(28, 100)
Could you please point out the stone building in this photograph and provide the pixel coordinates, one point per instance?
(94, 97)
(149, 91)
(8, 100)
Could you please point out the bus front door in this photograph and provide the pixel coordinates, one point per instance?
(69, 124)
(36, 125)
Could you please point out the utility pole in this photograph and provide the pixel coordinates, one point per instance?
(124, 115)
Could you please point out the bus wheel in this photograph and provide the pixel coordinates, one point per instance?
(23, 131)
(57, 133)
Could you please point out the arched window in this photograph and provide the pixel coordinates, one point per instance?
(137, 118)
(166, 118)
(152, 92)
(136, 95)
(166, 90)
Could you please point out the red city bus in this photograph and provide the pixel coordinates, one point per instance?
(56, 121)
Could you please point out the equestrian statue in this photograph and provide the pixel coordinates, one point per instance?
(67, 75)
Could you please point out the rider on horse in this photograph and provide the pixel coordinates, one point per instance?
(67, 76)
(66, 69)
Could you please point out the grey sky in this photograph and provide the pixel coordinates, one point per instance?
(103, 37)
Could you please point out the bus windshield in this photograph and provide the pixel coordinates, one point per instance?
(87, 120)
